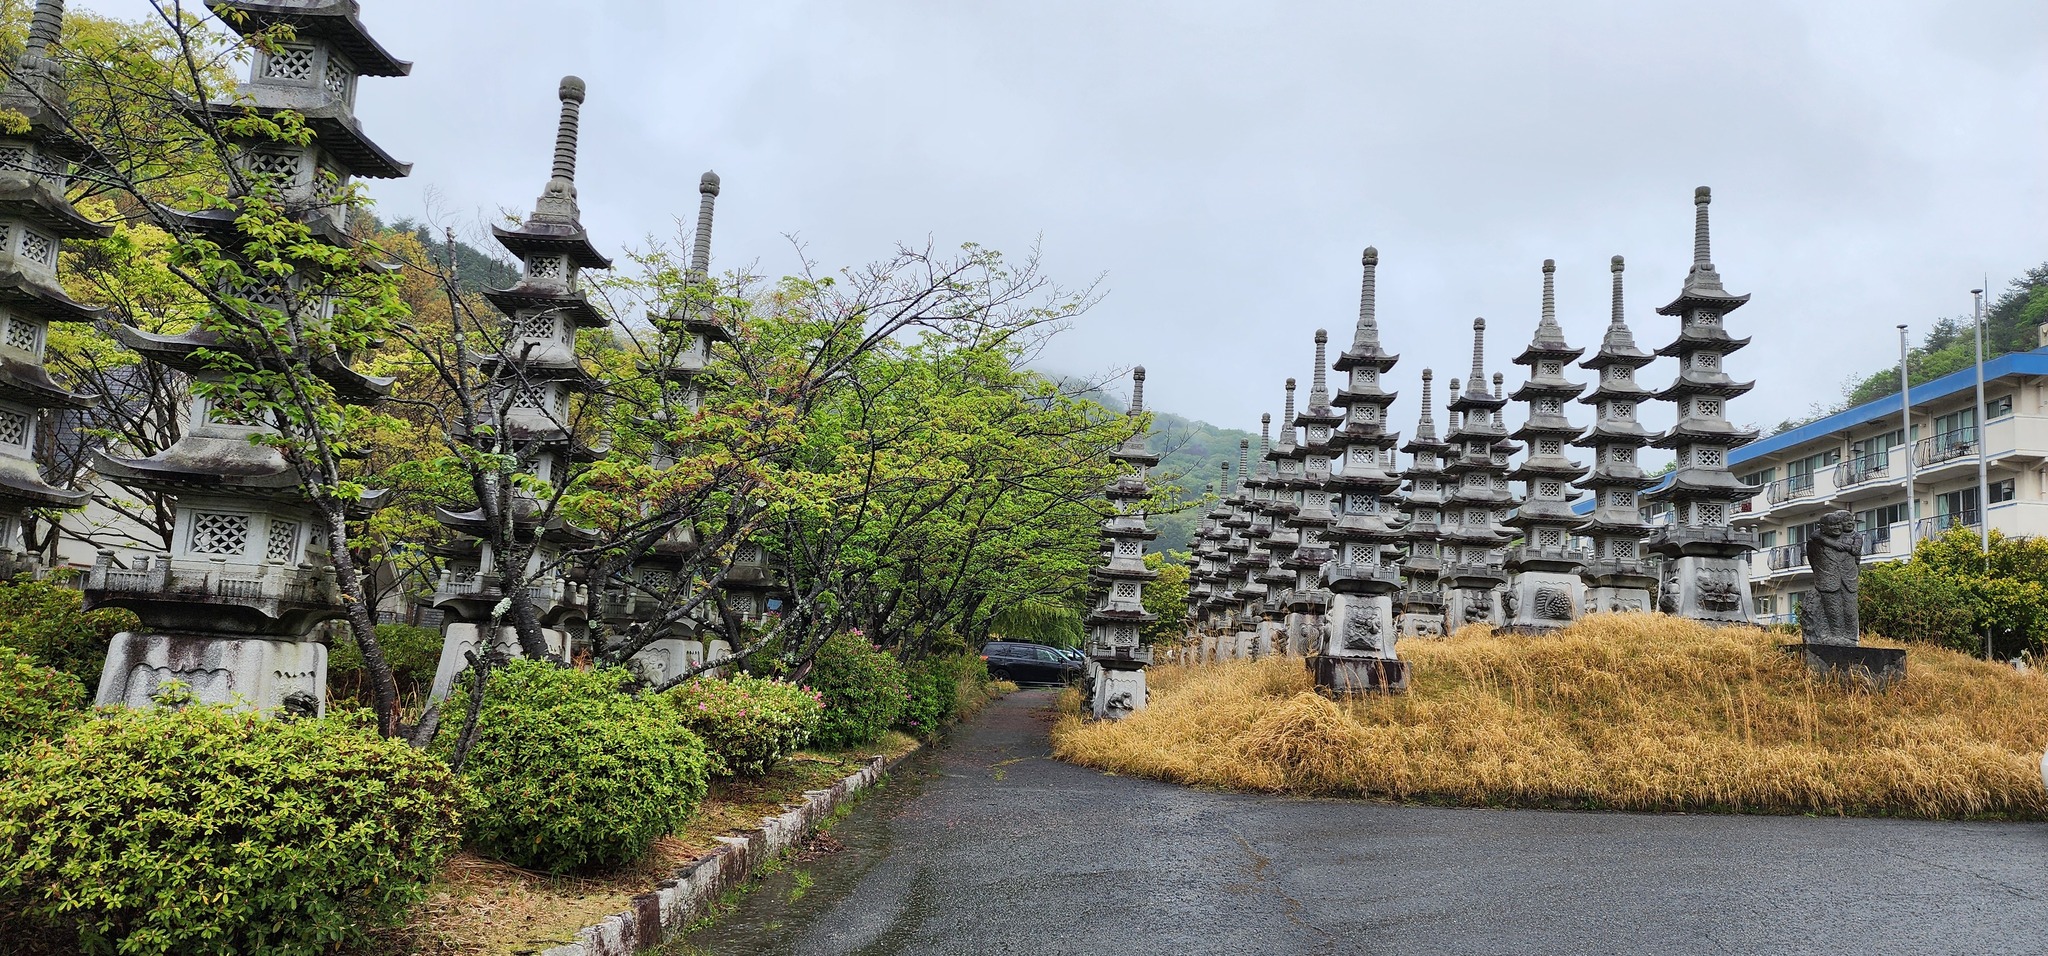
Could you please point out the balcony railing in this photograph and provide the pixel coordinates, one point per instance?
(1946, 446)
(1787, 489)
(1929, 527)
(1876, 540)
(1856, 471)
(1786, 556)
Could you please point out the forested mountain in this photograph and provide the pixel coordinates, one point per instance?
(2011, 324)
(1192, 451)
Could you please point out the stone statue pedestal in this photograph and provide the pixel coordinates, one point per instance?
(249, 673)
(1544, 601)
(664, 659)
(1357, 676)
(1617, 600)
(1464, 606)
(1709, 588)
(457, 640)
(1271, 639)
(1877, 667)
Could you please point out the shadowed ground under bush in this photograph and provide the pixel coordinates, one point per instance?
(1619, 711)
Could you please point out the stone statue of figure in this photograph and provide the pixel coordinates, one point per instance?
(1836, 558)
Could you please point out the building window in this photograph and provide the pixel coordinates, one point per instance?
(1767, 539)
(1758, 479)
(2002, 491)
(1997, 407)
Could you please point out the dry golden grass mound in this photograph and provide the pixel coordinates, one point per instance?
(1641, 712)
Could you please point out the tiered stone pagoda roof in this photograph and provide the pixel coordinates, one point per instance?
(1424, 501)
(1366, 525)
(1318, 422)
(1477, 472)
(1114, 621)
(1545, 516)
(1616, 439)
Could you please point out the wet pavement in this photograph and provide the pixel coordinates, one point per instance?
(987, 845)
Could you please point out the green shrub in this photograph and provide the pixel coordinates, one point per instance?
(940, 686)
(570, 770)
(864, 690)
(749, 723)
(48, 622)
(413, 652)
(206, 831)
(35, 701)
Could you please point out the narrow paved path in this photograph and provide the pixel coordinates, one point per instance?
(987, 845)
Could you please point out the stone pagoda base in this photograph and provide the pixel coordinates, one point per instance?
(249, 673)
(1242, 643)
(1119, 693)
(1539, 601)
(1464, 606)
(1875, 667)
(1359, 625)
(664, 659)
(1622, 600)
(1712, 589)
(1271, 639)
(1358, 676)
(1420, 624)
(457, 640)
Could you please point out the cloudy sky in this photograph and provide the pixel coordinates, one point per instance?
(1220, 166)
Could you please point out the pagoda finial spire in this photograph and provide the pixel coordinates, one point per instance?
(1368, 334)
(1265, 434)
(700, 249)
(1500, 390)
(571, 91)
(1478, 379)
(1702, 248)
(1616, 317)
(1319, 389)
(1426, 428)
(1137, 391)
(1244, 459)
(1453, 417)
(1287, 418)
(1547, 330)
(46, 26)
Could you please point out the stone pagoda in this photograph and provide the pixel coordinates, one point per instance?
(1356, 650)
(1226, 605)
(1307, 601)
(1114, 644)
(1617, 578)
(532, 382)
(1262, 575)
(1287, 484)
(1705, 567)
(230, 609)
(35, 170)
(1473, 535)
(1544, 590)
(1421, 598)
(1210, 575)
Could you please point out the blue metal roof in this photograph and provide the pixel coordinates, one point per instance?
(1954, 383)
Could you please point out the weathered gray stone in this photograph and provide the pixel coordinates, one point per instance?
(245, 672)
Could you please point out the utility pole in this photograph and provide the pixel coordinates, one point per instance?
(1906, 435)
(1983, 479)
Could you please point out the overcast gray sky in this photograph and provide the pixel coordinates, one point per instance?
(1222, 165)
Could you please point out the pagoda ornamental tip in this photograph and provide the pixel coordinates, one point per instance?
(572, 91)
(1702, 249)
(1478, 379)
(1138, 390)
(1547, 328)
(573, 88)
(1371, 256)
(708, 183)
(1616, 317)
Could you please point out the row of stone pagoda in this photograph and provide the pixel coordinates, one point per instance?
(1334, 564)
(232, 607)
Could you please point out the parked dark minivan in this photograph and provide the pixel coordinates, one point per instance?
(1029, 663)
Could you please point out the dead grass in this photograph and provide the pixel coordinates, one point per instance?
(481, 906)
(1619, 711)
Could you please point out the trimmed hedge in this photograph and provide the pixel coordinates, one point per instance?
(205, 831)
(864, 689)
(749, 723)
(48, 622)
(35, 701)
(937, 685)
(413, 653)
(571, 771)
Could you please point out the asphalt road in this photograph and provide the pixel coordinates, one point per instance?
(987, 845)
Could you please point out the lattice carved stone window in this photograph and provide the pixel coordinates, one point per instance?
(1366, 376)
(283, 540)
(1624, 410)
(1707, 407)
(339, 79)
(293, 62)
(1548, 406)
(1550, 538)
(1549, 446)
(540, 325)
(544, 267)
(23, 333)
(747, 554)
(656, 581)
(1617, 373)
(1475, 519)
(1621, 498)
(13, 428)
(1707, 456)
(219, 533)
(1425, 549)
(284, 166)
(1712, 514)
(1549, 368)
(1706, 360)
(1126, 590)
(1622, 550)
(1550, 489)
(1621, 454)
(36, 247)
(1128, 549)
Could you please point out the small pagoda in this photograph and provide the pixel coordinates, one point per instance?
(533, 382)
(1617, 578)
(1307, 601)
(1287, 485)
(1472, 578)
(1261, 575)
(1114, 642)
(1356, 650)
(1545, 591)
(230, 609)
(35, 171)
(1226, 605)
(1421, 599)
(1706, 575)
(1210, 575)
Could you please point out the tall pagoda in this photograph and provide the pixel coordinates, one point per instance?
(532, 383)
(1545, 591)
(1617, 578)
(660, 577)
(1114, 644)
(1210, 576)
(1287, 485)
(1421, 598)
(1226, 605)
(35, 170)
(1307, 601)
(1472, 577)
(229, 610)
(1356, 650)
(1705, 573)
(1261, 575)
